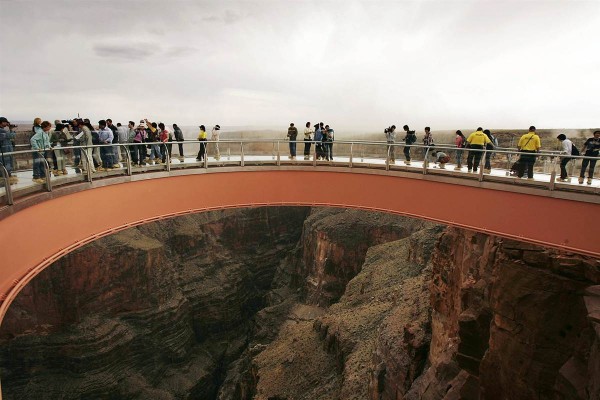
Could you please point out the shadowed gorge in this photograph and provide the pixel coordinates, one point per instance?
(300, 303)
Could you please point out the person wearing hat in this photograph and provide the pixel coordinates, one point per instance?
(138, 151)
(6, 138)
(567, 148)
(202, 138)
(215, 137)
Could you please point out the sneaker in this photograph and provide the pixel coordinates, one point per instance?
(581, 180)
(100, 169)
(487, 171)
(116, 166)
(469, 171)
(589, 181)
(13, 180)
(39, 180)
(530, 179)
(407, 162)
(457, 168)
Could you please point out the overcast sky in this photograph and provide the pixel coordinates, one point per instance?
(352, 64)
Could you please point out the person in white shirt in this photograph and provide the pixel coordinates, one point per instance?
(567, 148)
(215, 136)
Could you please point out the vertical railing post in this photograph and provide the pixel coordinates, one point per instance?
(553, 173)
(481, 166)
(387, 157)
(90, 163)
(242, 154)
(7, 188)
(47, 172)
(351, 153)
(315, 153)
(278, 155)
(426, 160)
(128, 157)
(168, 158)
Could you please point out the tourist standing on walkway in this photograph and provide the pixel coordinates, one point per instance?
(75, 126)
(180, 139)
(105, 136)
(138, 150)
(85, 139)
(476, 141)
(308, 134)
(428, 141)
(528, 145)
(292, 135)
(567, 148)
(123, 136)
(40, 142)
(163, 137)
(215, 136)
(487, 168)
(155, 156)
(461, 142)
(591, 147)
(58, 140)
(116, 158)
(390, 138)
(6, 138)
(202, 139)
(318, 141)
(409, 139)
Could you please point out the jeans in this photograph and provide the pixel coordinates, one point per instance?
(155, 152)
(585, 162)
(106, 153)
(459, 154)
(307, 144)
(293, 149)
(406, 152)
(563, 167)
(38, 165)
(180, 149)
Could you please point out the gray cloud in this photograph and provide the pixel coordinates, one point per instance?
(125, 52)
(228, 17)
(356, 64)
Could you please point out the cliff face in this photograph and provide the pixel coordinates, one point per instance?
(509, 320)
(289, 303)
(157, 311)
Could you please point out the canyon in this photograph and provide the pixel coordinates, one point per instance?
(278, 303)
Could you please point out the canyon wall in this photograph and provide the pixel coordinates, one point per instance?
(293, 303)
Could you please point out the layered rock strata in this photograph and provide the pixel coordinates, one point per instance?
(279, 303)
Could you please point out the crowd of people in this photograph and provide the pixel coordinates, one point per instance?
(320, 134)
(150, 142)
(529, 144)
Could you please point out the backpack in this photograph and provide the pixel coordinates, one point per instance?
(574, 151)
(410, 137)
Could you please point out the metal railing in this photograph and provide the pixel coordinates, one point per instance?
(243, 152)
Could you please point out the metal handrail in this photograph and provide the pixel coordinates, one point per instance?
(245, 144)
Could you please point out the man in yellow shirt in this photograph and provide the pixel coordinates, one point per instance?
(475, 142)
(529, 144)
